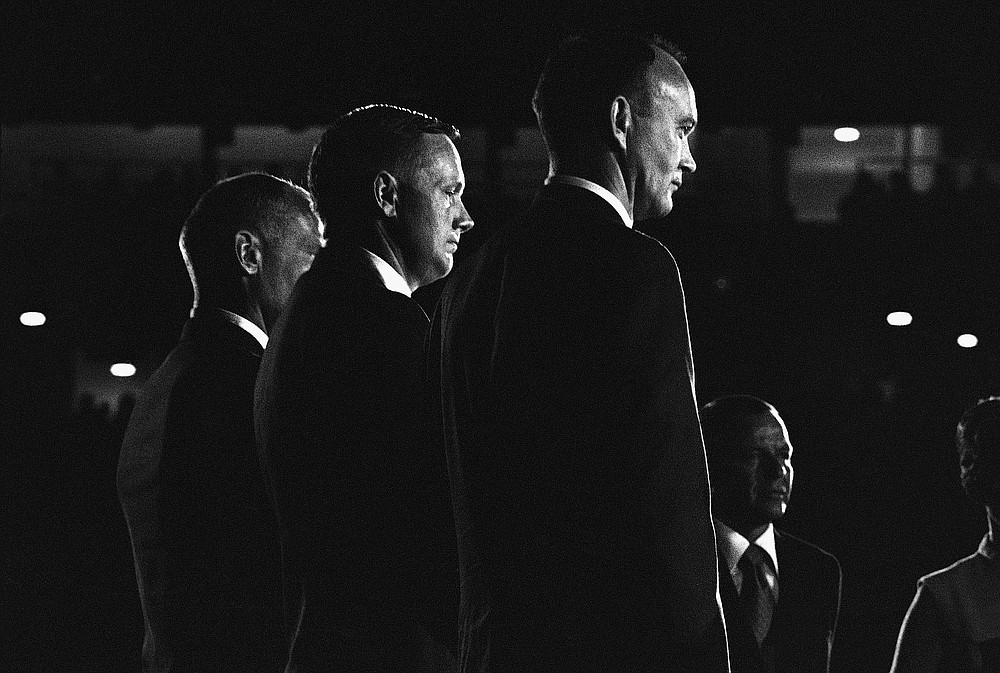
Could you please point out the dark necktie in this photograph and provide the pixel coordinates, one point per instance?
(755, 592)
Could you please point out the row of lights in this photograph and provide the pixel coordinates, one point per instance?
(903, 318)
(37, 319)
(125, 369)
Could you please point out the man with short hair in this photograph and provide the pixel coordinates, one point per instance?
(781, 594)
(203, 537)
(577, 469)
(359, 489)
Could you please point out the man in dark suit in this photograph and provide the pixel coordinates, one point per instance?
(204, 540)
(360, 492)
(578, 474)
(781, 594)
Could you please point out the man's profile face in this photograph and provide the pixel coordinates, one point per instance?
(752, 480)
(662, 121)
(430, 211)
(980, 474)
(285, 259)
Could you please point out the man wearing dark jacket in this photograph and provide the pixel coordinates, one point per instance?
(578, 474)
(203, 538)
(781, 594)
(360, 491)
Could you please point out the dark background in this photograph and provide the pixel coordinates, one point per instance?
(791, 311)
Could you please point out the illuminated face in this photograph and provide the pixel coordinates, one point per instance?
(284, 260)
(662, 121)
(430, 211)
(752, 482)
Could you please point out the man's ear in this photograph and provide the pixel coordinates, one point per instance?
(621, 121)
(248, 251)
(386, 191)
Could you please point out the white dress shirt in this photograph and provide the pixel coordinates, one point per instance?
(619, 207)
(244, 324)
(392, 278)
(732, 545)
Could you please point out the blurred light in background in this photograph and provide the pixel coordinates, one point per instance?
(32, 319)
(846, 134)
(899, 318)
(968, 341)
(122, 369)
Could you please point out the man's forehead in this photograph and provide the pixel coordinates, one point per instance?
(666, 79)
(438, 156)
(768, 427)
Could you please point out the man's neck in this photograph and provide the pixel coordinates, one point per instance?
(751, 531)
(383, 246)
(603, 171)
(234, 302)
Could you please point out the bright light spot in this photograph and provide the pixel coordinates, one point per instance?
(122, 369)
(32, 319)
(968, 341)
(722, 283)
(846, 134)
(899, 318)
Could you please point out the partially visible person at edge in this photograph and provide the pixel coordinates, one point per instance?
(953, 623)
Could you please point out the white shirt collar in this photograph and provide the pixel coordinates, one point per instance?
(241, 322)
(732, 544)
(605, 194)
(392, 278)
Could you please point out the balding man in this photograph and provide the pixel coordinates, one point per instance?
(204, 540)
(578, 473)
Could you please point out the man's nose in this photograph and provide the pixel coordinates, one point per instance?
(463, 221)
(687, 163)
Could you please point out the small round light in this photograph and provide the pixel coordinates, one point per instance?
(968, 341)
(899, 318)
(122, 369)
(846, 134)
(32, 319)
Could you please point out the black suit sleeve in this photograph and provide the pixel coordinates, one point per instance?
(680, 497)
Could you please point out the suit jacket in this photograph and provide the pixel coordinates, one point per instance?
(578, 474)
(203, 536)
(360, 494)
(801, 634)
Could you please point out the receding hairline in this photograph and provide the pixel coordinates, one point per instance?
(651, 85)
(426, 150)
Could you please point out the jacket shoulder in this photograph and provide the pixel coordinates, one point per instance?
(816, 556)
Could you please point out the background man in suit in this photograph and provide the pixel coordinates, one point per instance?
(781, 595)
(578, 473)
(953, 623)
(203, 537)
(361, 495)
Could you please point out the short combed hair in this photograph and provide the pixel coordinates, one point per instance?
(360, 144)
(584, 75)
(727, 420)
(257, 202)
(977, 437)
